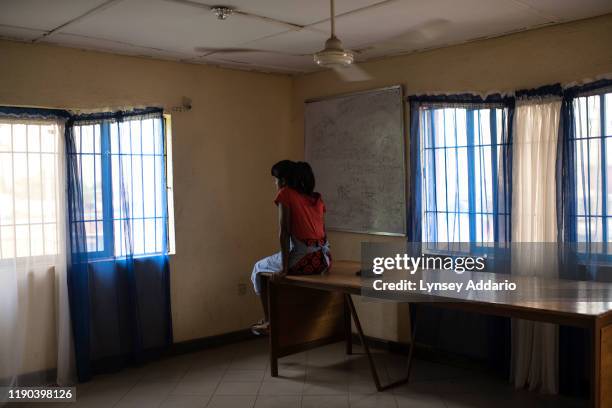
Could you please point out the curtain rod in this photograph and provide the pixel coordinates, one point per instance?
(44, 113)
(570, 89)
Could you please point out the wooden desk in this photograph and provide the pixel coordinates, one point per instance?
(311, 311)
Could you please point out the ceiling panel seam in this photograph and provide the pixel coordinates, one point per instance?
(143, 47)
(354, 11)
(20, 27)
(91, 12)
(189, 3)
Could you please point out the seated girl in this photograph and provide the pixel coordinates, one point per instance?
(304, 249)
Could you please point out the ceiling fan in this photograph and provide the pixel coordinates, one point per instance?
(333, 56)
(336, 57)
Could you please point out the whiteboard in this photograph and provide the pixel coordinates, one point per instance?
(356, 146)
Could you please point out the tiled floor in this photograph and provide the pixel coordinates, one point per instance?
(237, 376)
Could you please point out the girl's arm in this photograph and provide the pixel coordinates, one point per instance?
(284, 220)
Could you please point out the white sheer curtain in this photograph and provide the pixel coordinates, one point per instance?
(35, 333)
(534, 220)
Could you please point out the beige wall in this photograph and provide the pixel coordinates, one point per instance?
(222, 148)
(563, 53)
(242, 122)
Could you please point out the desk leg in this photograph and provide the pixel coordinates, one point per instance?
(595, 362)
(348, 332)
(605, 366)
(364, 342)
(413, 330)
(273, 337)
(601, 365)
(379, 387)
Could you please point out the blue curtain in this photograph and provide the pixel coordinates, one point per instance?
(415, 225)
(583, 212)
(118, 273)
(460, 184)
(585, 218)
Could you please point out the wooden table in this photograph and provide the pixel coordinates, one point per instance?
(311, 311)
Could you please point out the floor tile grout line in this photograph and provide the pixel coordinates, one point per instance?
(191, 365)
(219, 381)
(128, 391)
(139, 377)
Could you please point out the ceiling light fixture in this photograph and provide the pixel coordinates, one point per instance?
(222, 12)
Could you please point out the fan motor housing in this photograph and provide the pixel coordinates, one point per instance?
(333, 54)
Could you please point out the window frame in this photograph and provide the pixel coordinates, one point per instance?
(27, 121)
(603, 138)
(497, 142)
(108, 219)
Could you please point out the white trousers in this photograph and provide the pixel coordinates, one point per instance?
(271, 264)
(274, 263)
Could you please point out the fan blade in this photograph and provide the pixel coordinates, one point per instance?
(416, 36)
(434, 28)
(206, 50)
(352, 73)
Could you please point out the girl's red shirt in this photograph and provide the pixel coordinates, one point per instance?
(307, 213)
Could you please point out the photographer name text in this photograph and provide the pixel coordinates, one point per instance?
(432, 287)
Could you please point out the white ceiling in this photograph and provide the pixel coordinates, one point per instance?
(281, 31)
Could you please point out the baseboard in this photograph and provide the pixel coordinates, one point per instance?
(42, 377)
(115, 363)
(202, 343)
(193, 345)
(383, 344)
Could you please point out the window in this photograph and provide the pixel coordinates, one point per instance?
(28, 188)
(465, 167)
(592, 170)
(126, 184)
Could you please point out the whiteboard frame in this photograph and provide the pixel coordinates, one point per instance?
(405, 156)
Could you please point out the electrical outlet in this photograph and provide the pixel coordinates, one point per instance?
(242, 289)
